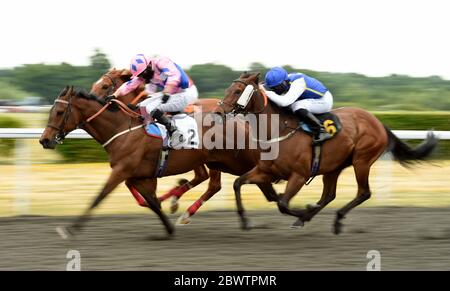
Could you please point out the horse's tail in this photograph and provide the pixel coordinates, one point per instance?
(406, 155)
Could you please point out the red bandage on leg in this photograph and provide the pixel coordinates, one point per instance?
(140, 200)
(194, 207)
(177, 192)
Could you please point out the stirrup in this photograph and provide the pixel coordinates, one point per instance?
(323, 136)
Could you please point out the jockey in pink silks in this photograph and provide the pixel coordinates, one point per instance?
(160, 74)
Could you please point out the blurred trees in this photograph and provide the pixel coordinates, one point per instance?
(47, 80)
(99, 61)
(395, 92)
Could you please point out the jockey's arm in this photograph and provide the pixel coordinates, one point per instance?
(128, 87)
(297, 88)
(167, 67)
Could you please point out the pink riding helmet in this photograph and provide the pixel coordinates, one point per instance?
(138, 64)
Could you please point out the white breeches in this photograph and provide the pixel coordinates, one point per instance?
(176, 102)
(315, 106)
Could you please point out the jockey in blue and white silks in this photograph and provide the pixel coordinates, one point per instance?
(303, 95)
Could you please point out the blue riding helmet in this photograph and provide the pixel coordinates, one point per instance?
(275, 77)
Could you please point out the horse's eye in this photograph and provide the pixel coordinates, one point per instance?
(104, 87)
(238, 92)
(59, 113)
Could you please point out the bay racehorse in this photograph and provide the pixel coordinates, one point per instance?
(107, 85)
(233, 161)
(133, 155)
(360, 143)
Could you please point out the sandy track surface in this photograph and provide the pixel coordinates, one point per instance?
(407, 238)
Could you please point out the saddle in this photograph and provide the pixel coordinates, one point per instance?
(333, 126)
(330, 122)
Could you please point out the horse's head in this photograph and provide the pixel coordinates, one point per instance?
(110, 82)
(243, 95)
(63, 118)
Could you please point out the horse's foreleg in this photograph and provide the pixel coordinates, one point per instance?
(115, 178)
(146, 188)
(268, 191)
(294, 184)
(328, 195)
(255, 176)
(201, 174)
(214, 186)
(130, 183)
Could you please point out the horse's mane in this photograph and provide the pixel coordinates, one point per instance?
(245, 75)
(81, 93)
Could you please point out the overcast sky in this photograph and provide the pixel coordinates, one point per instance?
(375, 38)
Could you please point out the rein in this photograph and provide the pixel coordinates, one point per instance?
(239, 109)
(124, 108)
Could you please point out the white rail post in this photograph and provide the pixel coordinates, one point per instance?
(22, 183)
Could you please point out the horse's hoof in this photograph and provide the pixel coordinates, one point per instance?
(64, 232)
(170, 232)
(313, 206)
(246, 225)
(183, 219)
(298, 224)
(174, 205)
(338, 227)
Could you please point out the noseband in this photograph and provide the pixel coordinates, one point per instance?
(61, 133)
(236, 108)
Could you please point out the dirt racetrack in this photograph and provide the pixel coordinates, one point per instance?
(407, 238)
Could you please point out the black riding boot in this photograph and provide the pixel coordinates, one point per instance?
(176, 138)
(319, 132)
(161, 118)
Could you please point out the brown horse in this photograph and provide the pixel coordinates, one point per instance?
(360, 143)
(107, 85)
(133, 155)
(236, 162)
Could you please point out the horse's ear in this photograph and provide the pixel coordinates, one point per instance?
(256, 77)
(64, 91)
(125, 75)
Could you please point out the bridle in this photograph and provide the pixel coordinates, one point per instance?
(62, 134)
(237, 108)
(113, 88)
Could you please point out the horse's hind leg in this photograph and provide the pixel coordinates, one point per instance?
(362, 170)
(201, 174)
(255, 176)
(214, 186)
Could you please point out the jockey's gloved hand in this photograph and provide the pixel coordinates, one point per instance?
(109, 98)
(165, 97)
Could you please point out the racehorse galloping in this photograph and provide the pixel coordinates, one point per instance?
(360, 143)
(133, 155)
(108, 84)
(235, 162)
